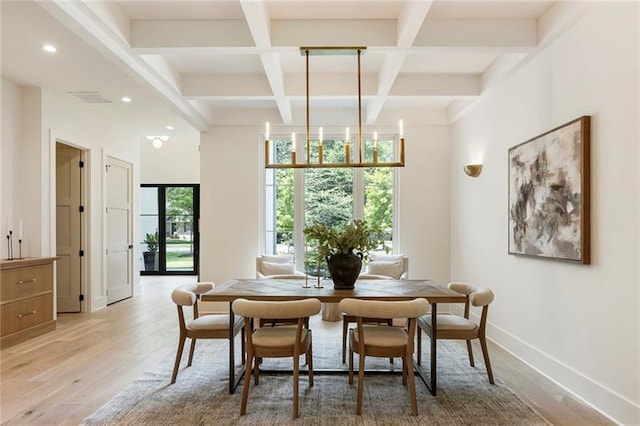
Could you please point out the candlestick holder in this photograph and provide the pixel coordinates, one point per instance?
(19, 248)
(306, 275)
(10, 245)
(318, 284)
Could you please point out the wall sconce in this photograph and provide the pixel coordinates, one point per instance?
(473, 170)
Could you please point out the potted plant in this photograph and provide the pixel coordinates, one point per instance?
(151, 240)
(343, 248)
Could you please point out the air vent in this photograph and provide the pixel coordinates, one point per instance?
(91, 97)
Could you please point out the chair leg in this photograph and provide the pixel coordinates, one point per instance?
(296, 374)
(485, 354)
(193, 348)
(419, 345)
(243, 344)
(310, 362)
(361, 358)
(470, 350)
(183, 338)
(256, 371)
(412, 383)
(404, 372)
(390, 324)
(345, 330)
(247, 383)
(350, 364)
(350, 367)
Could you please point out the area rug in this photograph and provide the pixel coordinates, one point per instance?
(200, 395)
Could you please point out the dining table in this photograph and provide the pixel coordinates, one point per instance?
(296, 289)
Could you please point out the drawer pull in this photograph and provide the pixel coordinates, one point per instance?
(32, 280)
(26, 314)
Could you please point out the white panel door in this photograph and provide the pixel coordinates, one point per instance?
(68, 228)
(118, 233)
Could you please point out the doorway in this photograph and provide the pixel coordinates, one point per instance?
(69, 224)
(169, 234)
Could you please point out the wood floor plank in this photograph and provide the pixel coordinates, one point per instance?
(63, 376)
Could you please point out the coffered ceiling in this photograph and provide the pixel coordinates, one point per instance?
(201, 60)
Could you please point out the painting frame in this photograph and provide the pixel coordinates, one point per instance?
(549, 194)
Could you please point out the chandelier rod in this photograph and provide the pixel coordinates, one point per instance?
(360, 147)
(308, 127)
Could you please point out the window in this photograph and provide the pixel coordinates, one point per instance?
(168, 228)
(335, 196)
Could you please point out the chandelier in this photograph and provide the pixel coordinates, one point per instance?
(354, 153)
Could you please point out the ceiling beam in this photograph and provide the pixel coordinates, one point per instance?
(259, 24)
(474, 32)
(410, 20)
(190, 33)
(256, 86)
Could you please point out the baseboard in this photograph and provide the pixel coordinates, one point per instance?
(610, 404)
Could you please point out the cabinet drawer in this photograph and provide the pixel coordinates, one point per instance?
(27, 313)
(23, 282)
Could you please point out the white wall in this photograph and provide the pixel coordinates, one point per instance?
(178, 161)
(11, 106)
(33, 120)
(577, 324)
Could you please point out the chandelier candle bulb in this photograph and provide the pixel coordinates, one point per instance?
(375, 147)
(266, 131)
(267, 152)
(320, 147)
(293, 148)
(401, 129)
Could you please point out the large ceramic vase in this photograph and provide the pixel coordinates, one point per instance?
(344, 269)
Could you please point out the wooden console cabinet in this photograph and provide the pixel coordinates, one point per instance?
(26, 299)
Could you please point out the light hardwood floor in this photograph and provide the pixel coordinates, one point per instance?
(64, 376)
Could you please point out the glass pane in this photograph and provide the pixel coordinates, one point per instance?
(328, 199)
(149, 224)
(378, 203)
(283, 199)
(179, 236)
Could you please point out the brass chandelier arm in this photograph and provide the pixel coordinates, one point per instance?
(336, 50)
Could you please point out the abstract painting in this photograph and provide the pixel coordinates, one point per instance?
(549, 194)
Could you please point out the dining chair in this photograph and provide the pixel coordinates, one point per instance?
(382, 340)
(461, 327)
(200, 327)
(277, 342)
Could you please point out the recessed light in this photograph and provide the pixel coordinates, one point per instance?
(170, 127)
(49, 48)
(157, 141)
(125, 99)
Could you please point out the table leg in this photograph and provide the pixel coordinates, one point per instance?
(434, 341)
(232, 370)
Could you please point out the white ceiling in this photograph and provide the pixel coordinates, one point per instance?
(186, 62)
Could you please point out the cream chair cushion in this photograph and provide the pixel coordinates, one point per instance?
(383, 336)
(277, 268)
(393, 269)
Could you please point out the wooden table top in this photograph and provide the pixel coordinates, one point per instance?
(291, 289)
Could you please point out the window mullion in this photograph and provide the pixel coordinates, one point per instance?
(358, 193)
(298, 213)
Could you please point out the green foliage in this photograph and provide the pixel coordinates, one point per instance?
(355, 236)
(179, 202)
(151, 240)
(329, 193)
